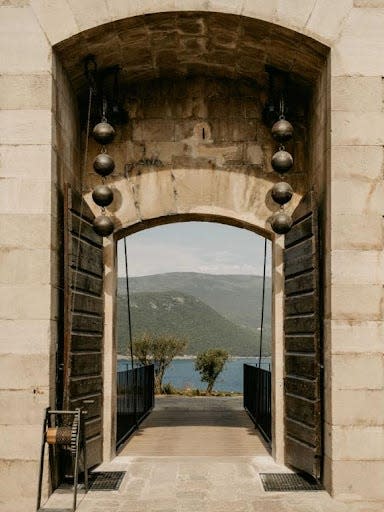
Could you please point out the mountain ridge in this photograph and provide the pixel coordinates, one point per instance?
(228, 306)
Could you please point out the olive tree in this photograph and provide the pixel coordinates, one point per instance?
(158, 350)
(210, 364)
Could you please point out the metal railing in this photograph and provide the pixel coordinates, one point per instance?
(257, 398)
(135, 399)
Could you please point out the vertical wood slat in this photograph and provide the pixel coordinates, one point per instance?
(302, 347)
(83, 319)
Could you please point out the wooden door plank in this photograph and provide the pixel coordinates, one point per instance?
(302, 346)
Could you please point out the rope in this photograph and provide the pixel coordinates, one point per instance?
(262, 303)
(85, 161)
(76, 270)
(128, 302)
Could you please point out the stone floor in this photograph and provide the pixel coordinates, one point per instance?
(198, 455)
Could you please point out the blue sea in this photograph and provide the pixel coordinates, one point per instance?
(181, 373)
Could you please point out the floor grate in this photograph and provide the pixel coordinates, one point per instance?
(105, 480)
(289, 482)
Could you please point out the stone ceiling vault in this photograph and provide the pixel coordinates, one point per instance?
(183, 44)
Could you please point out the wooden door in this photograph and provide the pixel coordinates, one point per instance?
(303, 348)
(83, 319)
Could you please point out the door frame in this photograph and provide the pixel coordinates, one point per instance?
(110, 342)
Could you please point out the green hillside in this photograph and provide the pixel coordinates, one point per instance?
(184, 315)
(236, 297)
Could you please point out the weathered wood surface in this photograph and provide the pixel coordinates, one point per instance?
(302, 383)
(83, 329)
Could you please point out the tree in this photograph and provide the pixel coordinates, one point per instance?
(159, 351)
(210, 364)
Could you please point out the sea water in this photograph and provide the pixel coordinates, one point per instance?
(181, 373)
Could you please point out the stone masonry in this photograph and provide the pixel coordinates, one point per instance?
(333, 49)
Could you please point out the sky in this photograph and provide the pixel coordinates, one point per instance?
(205, 247)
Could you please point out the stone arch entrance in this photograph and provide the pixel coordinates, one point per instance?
(196, 145)
(40, 152)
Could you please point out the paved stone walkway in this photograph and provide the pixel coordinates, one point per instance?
(198, 455)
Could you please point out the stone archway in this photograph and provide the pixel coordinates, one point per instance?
(277, 322)
(40, 153)
(196, 145)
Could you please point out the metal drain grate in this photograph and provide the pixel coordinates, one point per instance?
(289, 482)
(105, 480)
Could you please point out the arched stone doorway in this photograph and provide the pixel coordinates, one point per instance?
(196, 145)
(41, 153)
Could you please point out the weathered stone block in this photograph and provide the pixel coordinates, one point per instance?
(154, 130)
(25, 302)
(14, 232)
(21, 92)
(26, 126)
(25, 266)
(358, 443)
(28, 161)
(20, 441)
(357, 128)
(357, 301)
(368, 3)
(360, 407)
(359, 480)
(23, 407)
(354, 336)
(89, 13)
(357, 371)
(30, 53)
(358, 162)
(321, 23)
(25, 371)
(357, 267)
(356, 93)
(356, 197)
(57, 19)
(25, 196)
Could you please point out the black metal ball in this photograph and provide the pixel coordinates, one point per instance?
(282, 192)
(281, 223)
(103, 225)
(282, 161)
(282, 130)
(103, 164)
(103, 133)
(102, 195)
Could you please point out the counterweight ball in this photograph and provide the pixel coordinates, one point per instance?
(103, 164)
(103, 225)
(282, 161)
(103, 133)
(282, 130)
(282, 192)
(102, 195)
(281, 223)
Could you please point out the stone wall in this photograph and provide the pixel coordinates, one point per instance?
(198, 145)
(353, 215)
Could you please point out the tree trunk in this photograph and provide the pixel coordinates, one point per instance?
(209, 388)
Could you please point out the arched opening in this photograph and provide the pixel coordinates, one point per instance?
(196, 146)
(208, 285)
